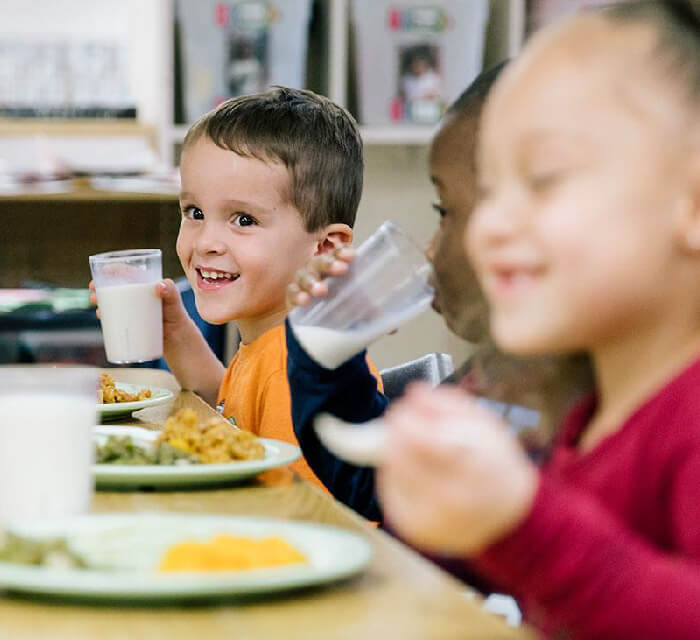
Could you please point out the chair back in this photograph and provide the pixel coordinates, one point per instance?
(432, 368)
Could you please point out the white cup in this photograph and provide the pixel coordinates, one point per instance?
(130, 309)
(46, 449)
(385, 287)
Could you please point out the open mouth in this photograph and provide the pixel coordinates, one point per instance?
(214, 278)
(511, 279)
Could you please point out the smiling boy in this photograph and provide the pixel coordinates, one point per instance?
(268, 181)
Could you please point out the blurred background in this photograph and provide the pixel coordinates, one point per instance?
(97, 95)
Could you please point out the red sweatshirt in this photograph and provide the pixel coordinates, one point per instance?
(611, 548)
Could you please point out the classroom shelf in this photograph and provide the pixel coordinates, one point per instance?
(156, 82)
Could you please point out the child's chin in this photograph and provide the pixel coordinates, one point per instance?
(212, 316)
(518, 342)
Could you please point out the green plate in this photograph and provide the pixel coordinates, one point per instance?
(108, 476)
(125, 550)
(120, 409)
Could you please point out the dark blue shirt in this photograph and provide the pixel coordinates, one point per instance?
(349, 393)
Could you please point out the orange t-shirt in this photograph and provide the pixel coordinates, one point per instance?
(255, 393)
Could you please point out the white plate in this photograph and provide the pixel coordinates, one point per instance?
(126, 549)
(119, 409)
(277, 454)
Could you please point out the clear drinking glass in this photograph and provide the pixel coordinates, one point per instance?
(385, 287)
(131, 311)
(46, 449)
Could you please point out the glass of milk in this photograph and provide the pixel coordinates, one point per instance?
(46, 448)
(132, 314)
(386, 285)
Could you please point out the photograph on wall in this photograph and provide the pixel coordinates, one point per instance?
(247, 67)
(420, 93)
(414, 57)
(237, 47)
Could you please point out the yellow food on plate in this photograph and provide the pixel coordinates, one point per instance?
(230, 553)
(107, 393)
(214, 441)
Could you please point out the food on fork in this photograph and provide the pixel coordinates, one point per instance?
(214, 441)
(108, 393)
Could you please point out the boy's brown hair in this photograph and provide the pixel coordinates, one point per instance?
(314, 138)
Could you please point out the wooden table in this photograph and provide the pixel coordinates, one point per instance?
(401, 596)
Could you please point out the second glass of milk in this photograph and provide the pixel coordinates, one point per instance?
(386, 286)
(131, 311)
(46, 449)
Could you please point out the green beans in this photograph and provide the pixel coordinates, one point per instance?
(52, 553)
(123, 450)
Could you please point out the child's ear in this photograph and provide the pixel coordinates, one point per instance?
(333, 236)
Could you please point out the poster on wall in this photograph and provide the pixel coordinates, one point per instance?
(240, 47)
(413, 58)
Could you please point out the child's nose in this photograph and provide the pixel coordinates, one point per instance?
(495, 222)
(210, 240)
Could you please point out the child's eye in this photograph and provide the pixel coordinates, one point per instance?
(193, 213)
(441, 211)
(544, 181)
(244, 220)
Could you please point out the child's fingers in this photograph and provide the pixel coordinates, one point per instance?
(93, 298)
(169, 293)
(307, 281)
(344, 253)
(296, 297)
(326, 265)
(165, 289)
(411, 439)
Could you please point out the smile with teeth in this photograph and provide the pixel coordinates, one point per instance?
(217, 275)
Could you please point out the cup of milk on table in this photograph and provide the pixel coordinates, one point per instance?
(46, 449)
(131, 311)
(385, 287)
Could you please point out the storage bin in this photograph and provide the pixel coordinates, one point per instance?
(414, 58)
(239, 47)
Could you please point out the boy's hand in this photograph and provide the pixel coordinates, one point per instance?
(175, 316)
(310, 282)
(453, 479)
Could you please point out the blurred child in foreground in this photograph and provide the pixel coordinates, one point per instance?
(586, 237)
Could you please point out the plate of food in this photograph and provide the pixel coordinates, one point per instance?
(136, 557)
(186, 452)
(117, 399)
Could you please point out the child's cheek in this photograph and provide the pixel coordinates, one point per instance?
(182, 246)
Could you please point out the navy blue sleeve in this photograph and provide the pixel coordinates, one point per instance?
(348, 392)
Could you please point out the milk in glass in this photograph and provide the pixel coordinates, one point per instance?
(46, 453)
(132, 324)
(330, 347)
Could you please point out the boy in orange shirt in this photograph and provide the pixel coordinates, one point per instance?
(268, 181)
